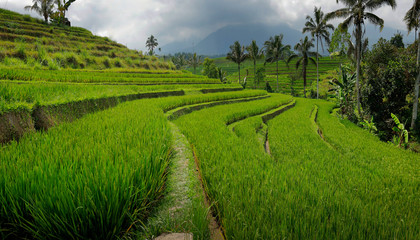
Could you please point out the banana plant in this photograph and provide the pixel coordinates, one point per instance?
(369, 125)
(401, 133)
(344, 90)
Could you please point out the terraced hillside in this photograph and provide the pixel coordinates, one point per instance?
(29, 42)
(326, 64)
(134, 153)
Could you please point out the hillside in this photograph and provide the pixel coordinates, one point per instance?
(29, 42)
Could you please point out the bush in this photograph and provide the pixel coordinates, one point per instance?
(106, 62)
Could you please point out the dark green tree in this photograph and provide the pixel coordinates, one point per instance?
(275, 51)
(254, 53)
(390, 73)
(397, 40)
(319, 28)
(355, 13)
(42, 7)
(304, 57)
(412, 19)
(209, 68)
(237, 55)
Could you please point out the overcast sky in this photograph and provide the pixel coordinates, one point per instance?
(130, 22)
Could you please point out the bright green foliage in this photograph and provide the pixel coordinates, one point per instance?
(87, 180)
(399, 129)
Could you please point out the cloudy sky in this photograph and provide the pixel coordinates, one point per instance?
(130, 22)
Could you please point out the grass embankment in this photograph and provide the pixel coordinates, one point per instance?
(306, 189)
(29, 42)
(24, 95)
(91, 179)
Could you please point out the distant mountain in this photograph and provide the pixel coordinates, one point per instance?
(218, 42)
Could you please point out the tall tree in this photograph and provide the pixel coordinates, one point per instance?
(304, 57)
(237, 55)
(254, 53)
(62, 7)
(42, 7)
(355, 14)
(151, 43)
(412, 19)
(276, 51)
(194, 61)
(318, 27)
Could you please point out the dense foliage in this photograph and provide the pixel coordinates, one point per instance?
(390, 73)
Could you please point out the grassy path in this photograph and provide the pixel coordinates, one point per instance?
(182, 210)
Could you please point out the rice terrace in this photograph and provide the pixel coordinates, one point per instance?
(209, 119)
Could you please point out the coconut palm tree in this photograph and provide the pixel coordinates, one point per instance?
(318, 27)
(42, 7)
(355, 13)
(351, 51)
(304, 57)
(237, 55)
(254, 53)
(195, 61)
(412, 19)
(151, 43)
(276, 51)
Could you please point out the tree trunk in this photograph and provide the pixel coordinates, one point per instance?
(239, 71)
(416, 89)
(358, 60)
(304, 80)
(277, 64)
(46, 17)
(317, 69)
(255, 80)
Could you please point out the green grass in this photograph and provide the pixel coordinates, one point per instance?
(91, 179)
(15, 95)
(306, 189)
(25, 38)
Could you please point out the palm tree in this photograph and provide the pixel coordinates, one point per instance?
(351, 51)
(412, 19)
(355, 13)
(254, 53)
(195, 61)
(63, 6)
(42, 7)
(276, 51)
(237, 55)
(318, 28)
(304, 58)
(151, 43)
